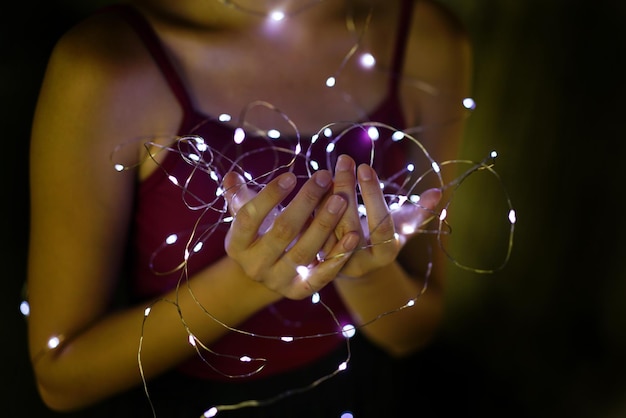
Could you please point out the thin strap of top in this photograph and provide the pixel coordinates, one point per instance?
(402, 38)
(154, 45)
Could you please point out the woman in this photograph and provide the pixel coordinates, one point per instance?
(166, 70)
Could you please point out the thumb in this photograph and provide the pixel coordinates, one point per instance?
(429, 199)
(410, 218)
(236, 191)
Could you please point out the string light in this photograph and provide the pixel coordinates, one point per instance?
(332, 135)
(401, 191)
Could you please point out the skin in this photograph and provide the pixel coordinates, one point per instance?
(102, 88)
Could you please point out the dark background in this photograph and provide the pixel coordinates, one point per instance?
(546, 336)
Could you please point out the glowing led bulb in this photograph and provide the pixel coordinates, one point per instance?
(303, 271)
(173, 179)
(146, 311)
(25, 308)
(211, 412)
(192, 340)
(343, 366)
(118, 167)
(373, 133)
(171, 239)
(348, 331)
(287, 339)
(407, 229)
(245, 359)
(198, 247)
(512, 216)
(239, 136)
(314, 165)
(277, 15)
(273, 133)
(397, 136)
(315, 298)
(367, 60)
(347, 414)
(410, 167)
(436, 167)
(330, 147)
(224, 117)
(53, 342)
(330, 82)
(443, 214)
(493, 154)
(469, 103)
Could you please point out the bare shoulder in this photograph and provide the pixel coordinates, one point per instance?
(101, 69)
(440, 46)
(101, 43)
(437, 17)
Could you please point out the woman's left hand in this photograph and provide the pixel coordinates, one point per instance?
(381, 231)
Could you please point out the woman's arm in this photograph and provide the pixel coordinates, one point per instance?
(101, 89)
(440, 55)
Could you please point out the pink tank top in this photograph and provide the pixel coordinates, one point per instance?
(176, 221)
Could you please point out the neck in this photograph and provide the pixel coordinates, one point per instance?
(215, 15)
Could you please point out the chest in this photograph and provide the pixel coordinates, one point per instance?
(301, 85)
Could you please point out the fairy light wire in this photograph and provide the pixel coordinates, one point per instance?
(207, 161)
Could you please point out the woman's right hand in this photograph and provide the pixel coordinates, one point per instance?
(285, 256)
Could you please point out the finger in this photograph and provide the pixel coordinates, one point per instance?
(312, 280)
(254, 208)
(295, 217)
(236, 191)
(345, 185)
(308, 245)
(427, 204)
(411, 218)
(331, 241)
(380, 224)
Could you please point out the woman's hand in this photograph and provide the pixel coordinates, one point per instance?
(283, 255)
(382, 233)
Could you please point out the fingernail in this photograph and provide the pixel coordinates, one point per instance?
(323, 178)
(365, 172)
(351, 241)
(287, 181)
(343, 163)
(335, 204)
